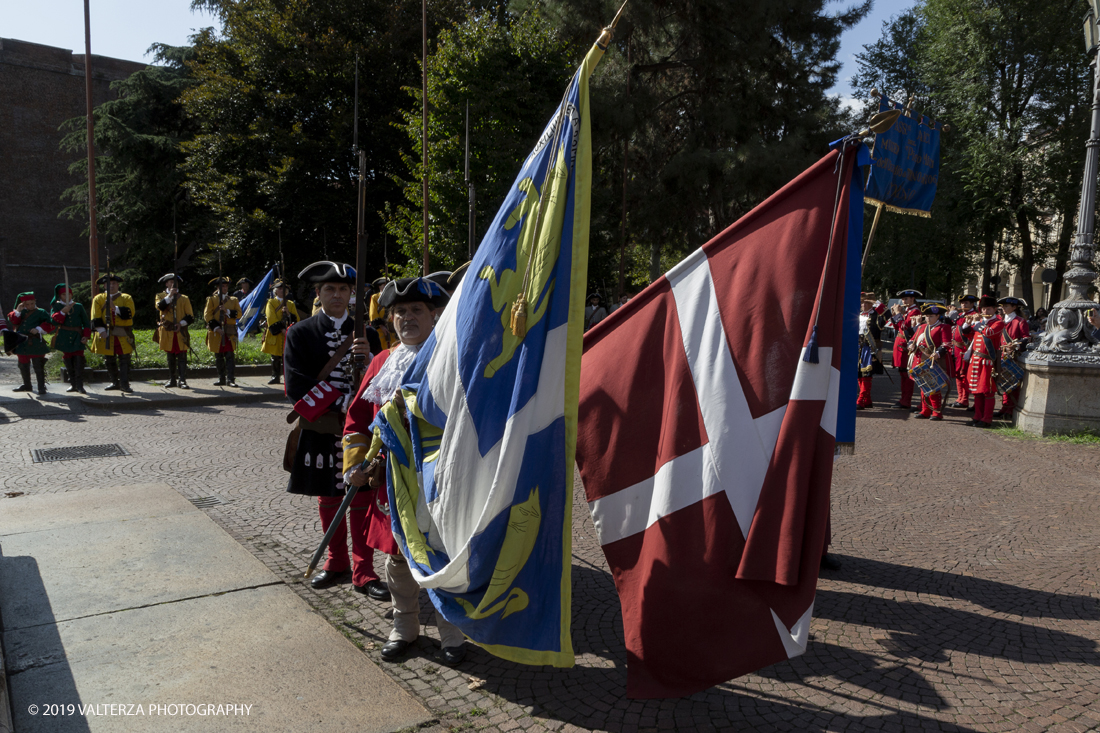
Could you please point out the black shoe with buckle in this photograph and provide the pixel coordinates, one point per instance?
(328, 578)
(394, 650)
(828, 562)
(375, 589)
(453, 655)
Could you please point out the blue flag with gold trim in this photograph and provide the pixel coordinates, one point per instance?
(481, 445)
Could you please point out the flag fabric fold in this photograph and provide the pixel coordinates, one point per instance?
(481, 443)
(253, 304)
(706, 440)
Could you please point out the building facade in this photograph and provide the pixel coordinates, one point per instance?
(41, 88)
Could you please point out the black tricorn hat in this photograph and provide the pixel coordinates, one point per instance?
(244, 280)
(103, 279)
(413, 290)
(171, 276)
(440, 278)
(456, 276)
(379, 282)
(594, 295)
(968, 297)
(328, 272)
(987, 301)
(938, 308)
(1012, 300)
(220, 280)
(279, 283)
(910, 293)
(12, 340)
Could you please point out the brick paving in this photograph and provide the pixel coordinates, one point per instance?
(967, 600)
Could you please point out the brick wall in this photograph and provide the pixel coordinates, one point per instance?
(42, 87)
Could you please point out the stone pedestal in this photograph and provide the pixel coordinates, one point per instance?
(1061, 393)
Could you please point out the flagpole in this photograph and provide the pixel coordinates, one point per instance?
(424, 115)
(871, 236)
(626, 149)
(93, 234)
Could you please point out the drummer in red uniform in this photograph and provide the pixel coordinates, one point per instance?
(986, 331)
(1017, 333)
(931, 341)
(960, 345)
(905, 324)
(870, 330)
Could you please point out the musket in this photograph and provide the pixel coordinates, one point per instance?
(360, 244)
(470, 188)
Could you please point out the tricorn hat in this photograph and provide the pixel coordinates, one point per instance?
(868, 296)
(440, 278)
(592, 295)
(328, 272)
(413, 290)
(220, 280)
(456, 276)
(379, 282)
(910, 293)
(244, 280)
(968, 297)
(103, 279)
(936, 308)
(13, 340)
(987, 301)
(1011, 300)
(279, 283)
(171, 276)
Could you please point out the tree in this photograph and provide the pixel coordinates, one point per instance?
(511, 70)
(274, 105)
(726, 103)
(1001, 70)
(145, 214)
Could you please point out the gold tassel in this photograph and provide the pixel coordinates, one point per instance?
(519, 316)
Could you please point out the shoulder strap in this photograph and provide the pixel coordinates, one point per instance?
(331, 364)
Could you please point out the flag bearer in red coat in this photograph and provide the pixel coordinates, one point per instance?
(986, 331)
(870, 334)
(1016, 335)
(412, 303)
(931, 342)
(960, 345)
(905, 324)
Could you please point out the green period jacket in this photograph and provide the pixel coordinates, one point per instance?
(36, 345)
(70, 330)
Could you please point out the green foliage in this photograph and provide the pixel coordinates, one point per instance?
(149, 355)
(512, 74)
(274, 106)
(141, 202)
(726, 103)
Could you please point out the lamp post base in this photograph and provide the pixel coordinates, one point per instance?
(1060, 393)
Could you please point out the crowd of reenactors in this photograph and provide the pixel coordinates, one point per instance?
(971, 346)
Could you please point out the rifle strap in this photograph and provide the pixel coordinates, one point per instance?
(331, 364)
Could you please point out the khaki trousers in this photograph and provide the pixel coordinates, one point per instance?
(406, 606)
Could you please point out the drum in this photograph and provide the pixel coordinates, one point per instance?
(929, 377)
(1010, 377)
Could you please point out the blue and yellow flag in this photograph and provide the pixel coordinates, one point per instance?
(481, 445)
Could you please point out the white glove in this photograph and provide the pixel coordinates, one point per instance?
(218, 330)
(117, 311)
(102, 331)
(40, 331)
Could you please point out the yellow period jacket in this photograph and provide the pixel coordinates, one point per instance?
(376, 311)
(178, 312)
(231, 310)
(273, 342)
(123, 327)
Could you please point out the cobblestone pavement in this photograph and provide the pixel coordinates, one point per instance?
(967, 599)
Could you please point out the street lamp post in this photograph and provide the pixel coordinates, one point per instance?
(1068, 328)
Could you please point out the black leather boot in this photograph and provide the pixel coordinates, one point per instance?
(112, 371)
(124, 372)
(219, 362)
(172, 360)
(181, 364)
(25, 372)
(276, 369)
(70, 368)
(40, 373)
(231, 365)
(78, 372)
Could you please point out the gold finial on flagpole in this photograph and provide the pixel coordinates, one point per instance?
(609, 31)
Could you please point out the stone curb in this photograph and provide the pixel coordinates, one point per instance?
(182, 401)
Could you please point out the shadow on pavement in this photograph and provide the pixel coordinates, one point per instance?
(995, 596)
(38, 668)
(593, 695)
